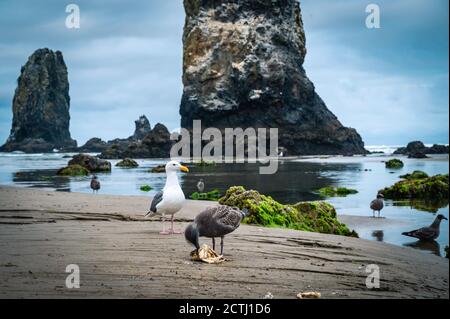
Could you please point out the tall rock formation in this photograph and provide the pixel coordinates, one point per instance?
(41, 105)
(142, 128)
(243, 67)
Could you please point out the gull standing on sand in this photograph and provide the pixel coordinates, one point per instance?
(214, 222)
(428, 233)
(95, 184)
(377, 204)
(170, 200)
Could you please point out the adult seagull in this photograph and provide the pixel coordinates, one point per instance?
(170, 200)
(427, 233)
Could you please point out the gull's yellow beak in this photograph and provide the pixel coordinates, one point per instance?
(184, 169)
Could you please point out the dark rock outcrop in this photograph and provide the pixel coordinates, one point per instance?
(243, 67)
(144, 143)
(94, 145)
(416, 149)
(91, 163)
(142, 128)
(41, 105)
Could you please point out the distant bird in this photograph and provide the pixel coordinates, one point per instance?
(428, 233)
(170, 200)
(378, 234)
(214, 222)
(201, 185)
(377, 204)
(95, 184)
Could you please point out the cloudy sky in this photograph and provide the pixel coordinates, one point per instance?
(391, 84)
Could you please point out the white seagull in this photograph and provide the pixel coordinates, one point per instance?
(170, 200)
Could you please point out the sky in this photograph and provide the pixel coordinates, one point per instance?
(125, 60)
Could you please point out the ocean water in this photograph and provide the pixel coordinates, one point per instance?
(297, 179)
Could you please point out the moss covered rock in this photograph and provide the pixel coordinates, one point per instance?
(394, 163)
(213, 195)
(430, 188)
(127, 163)
(415, 175)
(158, 169)
(265, 211)
(331, 191)
(73, 170)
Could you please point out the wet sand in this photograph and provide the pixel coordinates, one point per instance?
(121, 255)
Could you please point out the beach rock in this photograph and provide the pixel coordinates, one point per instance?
(394, 163)
(158, 169)
(41, 105)
(265, 211)
(128, 163)
(429, 188)
(417, 155)
(94, 145)
(243, 67)
(73, 170)
(418, 148)
(91, 163)
(415, 175)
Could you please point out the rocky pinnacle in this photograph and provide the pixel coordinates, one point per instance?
(243, 67)
(41, 105)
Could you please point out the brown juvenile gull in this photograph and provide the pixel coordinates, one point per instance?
(95, 184)
(214, 222)
(170, 200)
(427, 233)
(377, 204)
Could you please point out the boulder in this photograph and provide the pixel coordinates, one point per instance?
(127, 163)
(91, 163)
(73, 170)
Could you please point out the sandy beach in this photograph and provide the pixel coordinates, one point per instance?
(122, 255)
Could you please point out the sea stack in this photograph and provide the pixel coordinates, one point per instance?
(243, 67)
(41, 105)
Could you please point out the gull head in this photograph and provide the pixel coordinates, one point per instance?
(174, 166)
(441, 217)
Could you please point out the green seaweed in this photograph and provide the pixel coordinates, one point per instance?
(73, 170)
(146, 188)
(394, 163)
(433, 188)
(331, 191)
(415, 175)
(265, 211)
(213, 195)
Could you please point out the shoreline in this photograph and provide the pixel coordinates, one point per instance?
(122, 255)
